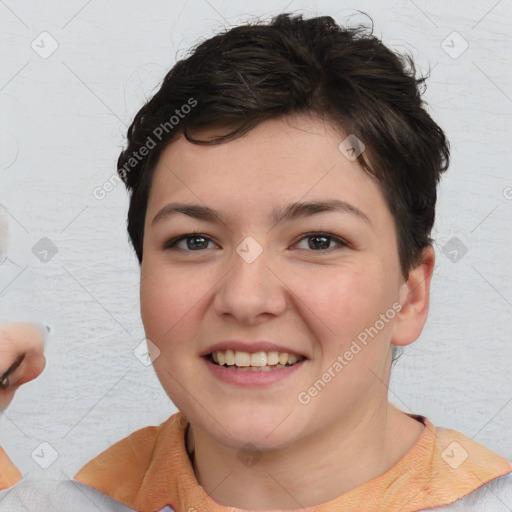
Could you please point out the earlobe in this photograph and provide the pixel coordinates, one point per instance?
(414, 298)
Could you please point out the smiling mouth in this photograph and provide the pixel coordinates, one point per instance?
(257, 362)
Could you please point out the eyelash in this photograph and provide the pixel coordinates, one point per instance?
(170, 244)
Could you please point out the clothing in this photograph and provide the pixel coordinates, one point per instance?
(9, 473)
(150, 471)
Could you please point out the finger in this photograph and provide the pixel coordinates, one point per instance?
(6, 396)
(29, 337)
(34, 366)
(21, 353)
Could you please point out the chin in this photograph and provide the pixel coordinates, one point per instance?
(267, 428)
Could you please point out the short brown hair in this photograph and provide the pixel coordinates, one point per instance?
(254, 72)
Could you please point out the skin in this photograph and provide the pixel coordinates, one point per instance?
(312, 299)
(18, 339)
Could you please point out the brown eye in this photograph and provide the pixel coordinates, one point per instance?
(320, 241)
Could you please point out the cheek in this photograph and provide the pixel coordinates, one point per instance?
(153, 304)
(170, 302)
(161, 302)
(168, 322)
(339, 296)
(343, 302)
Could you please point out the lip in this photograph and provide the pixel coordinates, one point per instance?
(251, 347)
(250, 378)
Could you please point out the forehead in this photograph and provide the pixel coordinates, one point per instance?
(281, 161)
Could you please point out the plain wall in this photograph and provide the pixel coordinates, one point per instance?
(64, 119)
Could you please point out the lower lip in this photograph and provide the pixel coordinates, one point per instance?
(252, 378)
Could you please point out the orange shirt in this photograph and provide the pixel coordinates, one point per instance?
(9, 473)
(150, 469)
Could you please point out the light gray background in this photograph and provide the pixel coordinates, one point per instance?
(64, 118)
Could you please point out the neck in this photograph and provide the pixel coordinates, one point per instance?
(341, 457)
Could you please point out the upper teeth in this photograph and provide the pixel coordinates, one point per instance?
(240, 358)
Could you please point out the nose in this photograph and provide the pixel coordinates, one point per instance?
(251, 290)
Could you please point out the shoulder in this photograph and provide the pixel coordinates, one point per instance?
(130, 471)
(462, 474)
(494, 496)
(128, 458)
(57, 496)
(464, 459)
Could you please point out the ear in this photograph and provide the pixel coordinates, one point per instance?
(414, 298)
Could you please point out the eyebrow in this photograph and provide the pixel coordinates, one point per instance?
(287, 213)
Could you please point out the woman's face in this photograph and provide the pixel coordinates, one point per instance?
(252, 279)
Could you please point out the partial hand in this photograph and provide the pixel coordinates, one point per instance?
(21, 357)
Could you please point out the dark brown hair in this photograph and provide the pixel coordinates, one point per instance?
(258, 71)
